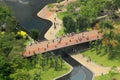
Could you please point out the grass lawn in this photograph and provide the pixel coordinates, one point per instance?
(50, 74)
(109, 76)
(60, 32)
(101, 58)
(60, 15)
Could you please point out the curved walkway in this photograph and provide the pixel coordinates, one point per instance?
(96, 69)
(46, 14)
(50, 15)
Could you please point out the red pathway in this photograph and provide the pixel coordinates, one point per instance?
(64, 41)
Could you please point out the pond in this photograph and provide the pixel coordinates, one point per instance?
(26, 13)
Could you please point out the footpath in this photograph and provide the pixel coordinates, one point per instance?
(45, 13)
(96, 69)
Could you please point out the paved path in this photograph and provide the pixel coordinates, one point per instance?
(96, 69)
(45, 13)
(64, 41)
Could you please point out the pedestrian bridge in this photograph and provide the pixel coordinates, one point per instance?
(64, 41)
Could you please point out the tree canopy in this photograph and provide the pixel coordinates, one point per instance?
(8, 22)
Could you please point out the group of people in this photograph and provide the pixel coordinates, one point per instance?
(78, 38)
(71, 36)
(54, 22)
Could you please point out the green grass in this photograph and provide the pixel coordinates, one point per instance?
(61, 32)
(101, 58)
(109, 76)
(105, 61)
(51, 73)
(60, 15)
(51, 5)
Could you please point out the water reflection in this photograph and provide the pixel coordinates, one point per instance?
(23, 2)
(79, 72)
(26, 13)
(17, 1)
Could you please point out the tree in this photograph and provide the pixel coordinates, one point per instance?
(52, 60)
(10, 59)
(5, 43)
(82, 23)
(34, 33)
(11, 24)
(105, 25)
(69, 24)
(91, 9)
(37, 76)
(110, 9)
(7, 21)
(116, 3)
(61, 61)
(5, 70)
(5, 12)
(109, 40)
(37, 73)
(71, 8)
(21, 74)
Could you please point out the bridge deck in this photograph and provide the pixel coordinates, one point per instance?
(68, 40)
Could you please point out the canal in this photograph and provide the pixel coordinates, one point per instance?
(79, 72)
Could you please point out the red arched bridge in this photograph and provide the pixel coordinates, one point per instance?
(64, 41)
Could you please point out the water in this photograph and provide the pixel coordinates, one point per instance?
(26, 12)
(79, 72)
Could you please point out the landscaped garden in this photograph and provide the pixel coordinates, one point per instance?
(79, 16)
(83, 15)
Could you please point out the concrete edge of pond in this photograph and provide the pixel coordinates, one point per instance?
(85, 69)
(71, 68)
(93, 75)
